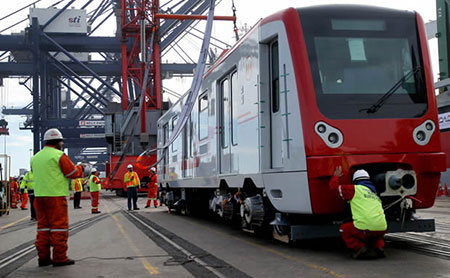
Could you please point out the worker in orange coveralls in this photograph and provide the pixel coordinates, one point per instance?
(24, 194)
(152, 188)
(14, 192)
(52, 169)
(94, 187)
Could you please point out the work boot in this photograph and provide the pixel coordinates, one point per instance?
(379, 252)
(42, 263)
(95, 212)
(147, 206)
(361, 254)
(136, 208)
(23, 208)
(68, 262)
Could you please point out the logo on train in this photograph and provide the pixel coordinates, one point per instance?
(75, 21)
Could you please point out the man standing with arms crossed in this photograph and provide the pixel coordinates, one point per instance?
(51, 169)
(131, 180)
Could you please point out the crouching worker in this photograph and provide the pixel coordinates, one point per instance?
(365, 235)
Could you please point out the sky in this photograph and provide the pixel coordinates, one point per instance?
(19, 143)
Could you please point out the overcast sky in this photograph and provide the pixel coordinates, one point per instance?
(19, 143)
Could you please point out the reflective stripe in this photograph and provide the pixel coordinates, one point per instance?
(59, 230)
(43, 229)
(71, 172)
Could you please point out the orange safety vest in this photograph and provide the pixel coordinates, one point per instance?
(133, 182)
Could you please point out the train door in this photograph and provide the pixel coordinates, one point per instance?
(225, 115)
(187, 149)
(276, 121)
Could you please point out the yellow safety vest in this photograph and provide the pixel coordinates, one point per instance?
(131, 183)
(49, 180)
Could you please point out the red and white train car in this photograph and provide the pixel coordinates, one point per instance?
(304, 91)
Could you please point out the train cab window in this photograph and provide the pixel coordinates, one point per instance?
(365, 64)
(234, 105)
(225, 112)
(203, 117)
(274, 76)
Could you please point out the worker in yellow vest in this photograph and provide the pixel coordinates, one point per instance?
(52, 168)
(23, 193)
(365, 235)
(28, 184)
(77, 187)
(132, 182)
(94, 188)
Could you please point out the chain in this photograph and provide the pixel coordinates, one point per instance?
(235, 29)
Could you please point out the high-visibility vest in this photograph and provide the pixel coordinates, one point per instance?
(49, 180)
(367, 210)
(131, 183)
(94, 187)
(77, 185)
(28, 181)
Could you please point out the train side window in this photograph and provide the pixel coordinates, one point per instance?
(234, 104)
(274, 76)
(166, 139)
(225, 112)
(175, 142)
(203, 117)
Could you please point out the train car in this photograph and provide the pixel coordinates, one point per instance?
(304, 91)
(116, 182)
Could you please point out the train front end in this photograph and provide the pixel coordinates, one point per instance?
(367, 102)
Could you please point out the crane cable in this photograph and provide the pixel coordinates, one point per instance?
(235, 29)
(193, 92)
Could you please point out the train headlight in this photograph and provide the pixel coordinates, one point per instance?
(399, 183)
(422, 134)
(330, 135)
(395, 182)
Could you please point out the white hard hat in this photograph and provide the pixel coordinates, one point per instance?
(52, 134)
(93, 170)
(361, 175)
(153, 169)
(130, 166)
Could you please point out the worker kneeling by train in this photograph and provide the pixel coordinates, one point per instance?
(365, 235)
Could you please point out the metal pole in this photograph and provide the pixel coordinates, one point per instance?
(36, 112)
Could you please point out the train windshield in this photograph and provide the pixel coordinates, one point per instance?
(365, 66)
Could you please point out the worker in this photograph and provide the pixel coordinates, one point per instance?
(132, 182)
(28, 184)
(365, 235)
(52, 168)
(152, 188)
(23, 193)
(77, 187)
(94, 188)
(14, 187)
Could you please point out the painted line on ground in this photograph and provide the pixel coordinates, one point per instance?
(14, 223)
(179, 248)
(151, 269)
